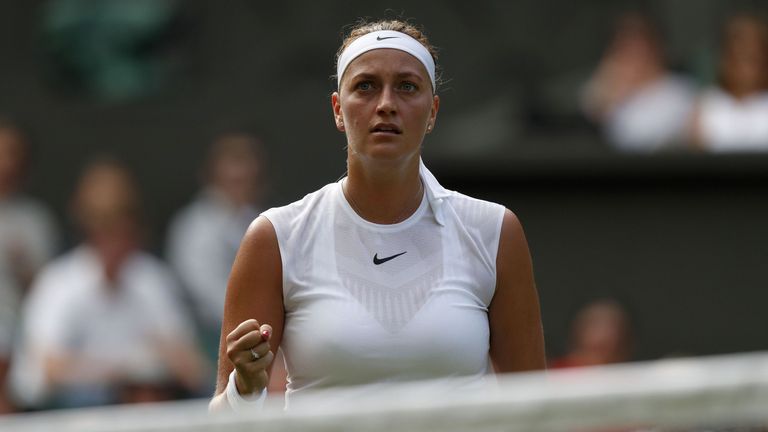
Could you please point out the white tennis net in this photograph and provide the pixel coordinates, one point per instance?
(724, 393)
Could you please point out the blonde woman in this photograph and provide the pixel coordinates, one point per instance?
(384, 275)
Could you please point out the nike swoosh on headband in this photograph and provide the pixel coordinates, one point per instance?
(386, 39)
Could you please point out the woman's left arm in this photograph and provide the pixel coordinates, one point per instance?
(517, 337)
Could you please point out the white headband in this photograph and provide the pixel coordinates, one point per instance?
(386, 39)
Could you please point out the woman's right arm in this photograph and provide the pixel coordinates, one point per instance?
(253, 314)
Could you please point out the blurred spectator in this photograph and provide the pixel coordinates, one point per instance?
(101, 323)
(640, 105)
(600, 334)
(205, 236)
(732, 115)
(27, 240)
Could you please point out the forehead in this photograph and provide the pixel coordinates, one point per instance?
(386, 61)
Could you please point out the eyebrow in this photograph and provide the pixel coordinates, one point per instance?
(399, 75)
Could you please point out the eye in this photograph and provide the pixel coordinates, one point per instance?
(408, 86)
(364, 85)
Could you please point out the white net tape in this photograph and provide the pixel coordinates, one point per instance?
(717, 393)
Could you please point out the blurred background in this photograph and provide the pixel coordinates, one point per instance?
(630, 138)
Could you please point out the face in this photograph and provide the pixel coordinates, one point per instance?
(236, 170)
(106, 206)
(385, 105)
(602, 329)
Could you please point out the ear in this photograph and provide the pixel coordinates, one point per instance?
(337, 114)
(433, 113)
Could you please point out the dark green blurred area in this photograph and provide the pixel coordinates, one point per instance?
(110, 49)
(680, 238)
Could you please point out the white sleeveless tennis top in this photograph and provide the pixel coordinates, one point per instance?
(368, 303)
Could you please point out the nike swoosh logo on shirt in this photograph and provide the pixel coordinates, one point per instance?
(379, 261)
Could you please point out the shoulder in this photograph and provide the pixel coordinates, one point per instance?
(471, 207)
(260, 233)
(31, 210)
(289, 219)
(259, 245)
(303, 205)
(28, 204)
(194, 213)
(513, 246)
(63, 278)
(68, 265)
(477, 214)
(511, 227)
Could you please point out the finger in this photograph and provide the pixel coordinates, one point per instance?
(264, 361)
(242, 329)
(248, 341)
(252, 367)
(240, 353)
(243, 354)
(260, 350)
(266, 331)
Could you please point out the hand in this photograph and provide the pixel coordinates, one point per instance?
(244, 344)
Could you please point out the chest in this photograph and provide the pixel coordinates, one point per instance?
(367, 305)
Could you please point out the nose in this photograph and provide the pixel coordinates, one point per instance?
(387, 104)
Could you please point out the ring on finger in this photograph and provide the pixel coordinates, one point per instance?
(255, 355)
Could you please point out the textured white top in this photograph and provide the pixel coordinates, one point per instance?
(368, 303)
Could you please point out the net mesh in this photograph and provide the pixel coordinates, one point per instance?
(728, 393)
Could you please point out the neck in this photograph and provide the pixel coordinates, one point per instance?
(742, 92)
(383, 196)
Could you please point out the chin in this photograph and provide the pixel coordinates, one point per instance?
(388, 154)
(386, 148)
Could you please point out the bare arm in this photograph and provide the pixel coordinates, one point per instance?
(254, 302)
(517, 338)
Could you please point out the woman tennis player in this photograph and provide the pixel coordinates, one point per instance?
(384, 275)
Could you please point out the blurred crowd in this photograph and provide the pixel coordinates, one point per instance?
(641, 105)
(106, 322)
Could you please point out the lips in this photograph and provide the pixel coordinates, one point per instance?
(386, 128)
